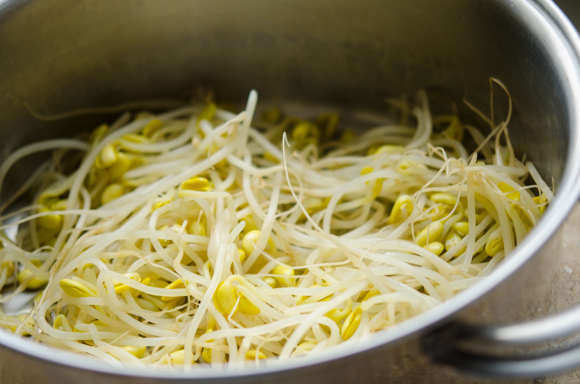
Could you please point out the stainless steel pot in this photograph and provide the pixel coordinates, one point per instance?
(60, 55)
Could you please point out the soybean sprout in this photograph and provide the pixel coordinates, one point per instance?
(205, 236)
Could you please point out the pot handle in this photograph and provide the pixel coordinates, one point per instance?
(454, 345)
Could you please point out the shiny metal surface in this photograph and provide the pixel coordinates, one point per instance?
(531, 332)
(60, 55)
(508, 367)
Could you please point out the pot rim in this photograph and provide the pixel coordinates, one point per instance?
(557, 32)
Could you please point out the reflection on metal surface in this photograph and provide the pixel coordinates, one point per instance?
(572, 9)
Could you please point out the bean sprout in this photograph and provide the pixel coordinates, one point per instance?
(205, 236)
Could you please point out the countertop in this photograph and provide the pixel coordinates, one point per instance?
(568, 287)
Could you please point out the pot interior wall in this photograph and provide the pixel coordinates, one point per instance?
(59, 56)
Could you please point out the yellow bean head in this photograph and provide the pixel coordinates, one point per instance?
(541, 200)
(62, 321)
(366, 170)
(510, 191)
(250, 224)
(98, 134)
(75, 289)
(249, 241)
(444, 198)
(438, 212)
(338, 315)
(462, 227)
(152, 127)
(252, 354)
(493, 246)
(34, 282)
(242, 255)
(435, 247)
(351, 324)
(196, 183)
(407, 167)
(403, 203)
(430, 233)
(284, 278)
(177, 284)
(120, 287)
(107, 157)
(208, 112)
(300, 132)
(196, 228)
(302, 348)
(112, 192)
(388, 149)
(138, 352)
(174, 358)
(225, 297)
(313, 205)
(51, 222)
(135, 138)
(270, 281)
(268, 156)
(206, 355)
(122, 165)
(247, 307)
(452, 239)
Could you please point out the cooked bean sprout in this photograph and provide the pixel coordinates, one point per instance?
(205, 236)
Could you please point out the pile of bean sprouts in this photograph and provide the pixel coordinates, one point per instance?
(204, 236)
